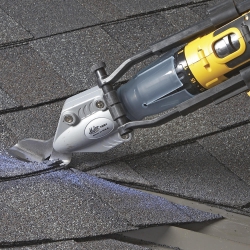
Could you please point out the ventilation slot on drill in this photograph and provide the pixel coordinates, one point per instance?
(246, 32)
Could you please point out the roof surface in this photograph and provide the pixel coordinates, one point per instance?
(46, 51)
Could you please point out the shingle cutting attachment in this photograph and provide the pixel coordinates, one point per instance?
(207, 62)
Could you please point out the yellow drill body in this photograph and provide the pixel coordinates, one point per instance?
(207, 67)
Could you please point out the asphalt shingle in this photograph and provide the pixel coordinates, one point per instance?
(44, 18)
(65, 205)
(40, 122)
(11, 167)
(11, 31)
(106, 244)
(144, 140)
(110, 245)
(192, 172)
(72, 55)
(119, 172)
(54, 206)
(137, 34)
(132, 7)
(232, 111)
(181, 18)
(231, 148)
(7, 137)
(7, 102)
(152, 209)
(104, 11)
(28, 79)
(64, 245)
(200, 9)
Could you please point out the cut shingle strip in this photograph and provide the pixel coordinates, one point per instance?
(27, 78)
(192, 172)
(10, 31)
(231, 148)
(44, 18)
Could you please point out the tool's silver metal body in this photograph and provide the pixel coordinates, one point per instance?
(93, 129)
(85, 125)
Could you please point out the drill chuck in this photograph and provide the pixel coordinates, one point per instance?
(153, 90)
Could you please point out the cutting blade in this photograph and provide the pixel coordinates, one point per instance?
(34, 150)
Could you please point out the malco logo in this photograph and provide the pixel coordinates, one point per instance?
(98, 128)
(94, 130)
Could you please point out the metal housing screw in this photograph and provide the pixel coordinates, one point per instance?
(100, 104)
(125, 137)
(68, 118)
